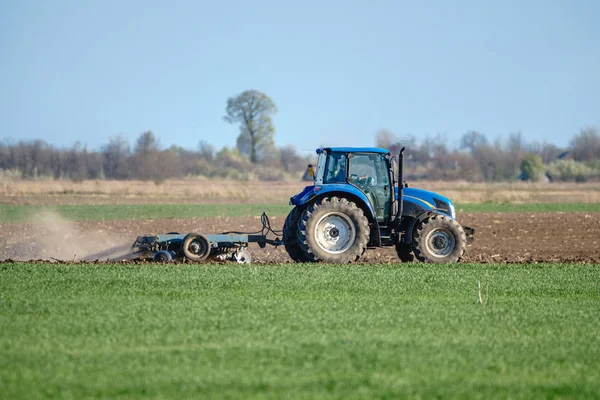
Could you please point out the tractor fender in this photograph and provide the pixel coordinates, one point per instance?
(343, 191)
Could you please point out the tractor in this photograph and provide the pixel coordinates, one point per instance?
(359, 200)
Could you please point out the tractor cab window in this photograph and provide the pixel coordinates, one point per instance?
(368, 169)
(335, 170)
(370, 173)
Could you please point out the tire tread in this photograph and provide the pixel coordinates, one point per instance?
(341, 205)
(432, 222)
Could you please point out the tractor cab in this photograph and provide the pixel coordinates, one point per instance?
(368, 171)
(368, 181)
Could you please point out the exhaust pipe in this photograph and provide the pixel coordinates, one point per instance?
(400, 187)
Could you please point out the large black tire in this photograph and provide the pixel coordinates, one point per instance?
(196, 246)
(405, 252)
(162, 256)
(333, 230)
(290, 237)
(439, 239)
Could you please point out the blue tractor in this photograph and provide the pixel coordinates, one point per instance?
(359, 201)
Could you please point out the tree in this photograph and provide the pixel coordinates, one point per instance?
(207, 151)
(548, 151)
(515, 146)
(290, 159)
(116, 158)
(146, 158)
(472, 140)
(252, 110)
(77, 163)
(586, 145)
(384, 138)
(146, 144)
(532, 168)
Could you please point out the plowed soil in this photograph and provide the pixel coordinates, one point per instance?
(500, 238)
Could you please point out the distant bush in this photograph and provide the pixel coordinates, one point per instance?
(532, 168)
(570, 170)
(10, 174)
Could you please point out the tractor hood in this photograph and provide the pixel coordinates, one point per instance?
(428, 200)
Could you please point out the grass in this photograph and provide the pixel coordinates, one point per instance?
(20, 213)
(298, 331)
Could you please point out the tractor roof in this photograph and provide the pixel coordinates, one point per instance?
(353, 150)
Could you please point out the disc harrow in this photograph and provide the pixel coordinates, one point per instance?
(198, 247)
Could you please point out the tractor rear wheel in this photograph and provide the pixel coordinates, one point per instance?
(290, 237)
(333, 230)
(439, 239)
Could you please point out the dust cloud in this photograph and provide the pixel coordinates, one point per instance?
(49, 236)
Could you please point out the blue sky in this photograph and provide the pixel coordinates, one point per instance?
(82, 70)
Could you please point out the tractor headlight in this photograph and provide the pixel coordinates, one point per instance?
(445, 206)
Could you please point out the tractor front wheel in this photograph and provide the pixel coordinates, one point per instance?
(333, 230)
(439, 239)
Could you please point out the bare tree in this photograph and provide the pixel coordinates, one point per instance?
(116, 158)
(146, 143)
(207, 150)
(385, 138)
(586, 145)
(290, 160)
(146, 159)
(472, 139)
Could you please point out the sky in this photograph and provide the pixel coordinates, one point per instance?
(90, 70)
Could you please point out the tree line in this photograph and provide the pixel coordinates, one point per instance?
(146, 160)
(476, 158)
(255, 157)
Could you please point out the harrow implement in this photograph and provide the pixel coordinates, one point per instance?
(196, 247)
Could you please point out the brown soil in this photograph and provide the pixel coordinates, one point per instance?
(500, 237)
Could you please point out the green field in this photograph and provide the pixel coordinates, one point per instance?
(21, 213)
(299, 331)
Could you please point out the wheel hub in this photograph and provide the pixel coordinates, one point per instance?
(194, 247)
(440, 242)
(335, 232)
